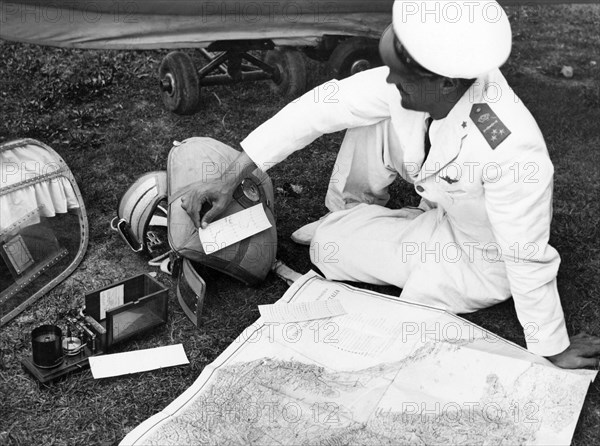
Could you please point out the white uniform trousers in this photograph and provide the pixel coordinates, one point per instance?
(411, 248)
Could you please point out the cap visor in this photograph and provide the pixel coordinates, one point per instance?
(387, 51)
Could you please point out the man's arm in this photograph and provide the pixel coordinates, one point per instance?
(336, 105)
(360, 100)
(519, 205)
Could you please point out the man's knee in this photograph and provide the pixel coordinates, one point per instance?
(325, 248)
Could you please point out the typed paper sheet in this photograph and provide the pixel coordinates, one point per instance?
(301, 311)
(234, 228)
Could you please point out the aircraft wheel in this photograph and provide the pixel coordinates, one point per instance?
(290, 78)
(352, 56)
(179, 84)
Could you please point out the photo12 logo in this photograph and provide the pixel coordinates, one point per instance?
(451, 12)
(70, 12)
(268, 12)
(318, 331)
(268, 412)
(473, 412)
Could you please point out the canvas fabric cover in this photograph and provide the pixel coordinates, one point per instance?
(203, 160)
(139, 24)
(43, 224)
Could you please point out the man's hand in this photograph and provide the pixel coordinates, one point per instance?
(584, 351)
(216, 195)
(205, 202)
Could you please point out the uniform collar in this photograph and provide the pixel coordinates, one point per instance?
(446, 134)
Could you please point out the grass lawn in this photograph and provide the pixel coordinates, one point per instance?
(100, 110)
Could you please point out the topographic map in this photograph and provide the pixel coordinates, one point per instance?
(386, 372)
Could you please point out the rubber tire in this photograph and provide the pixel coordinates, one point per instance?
(184, 97)
(350, 51)
(292, 71)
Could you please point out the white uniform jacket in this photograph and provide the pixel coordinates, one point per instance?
(488, 173)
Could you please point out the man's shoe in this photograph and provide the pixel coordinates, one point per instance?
(305, 234)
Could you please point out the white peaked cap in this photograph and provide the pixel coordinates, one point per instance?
(457, 39)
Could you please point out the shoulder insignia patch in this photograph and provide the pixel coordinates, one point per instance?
(491, 127)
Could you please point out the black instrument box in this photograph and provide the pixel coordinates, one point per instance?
(113, 314)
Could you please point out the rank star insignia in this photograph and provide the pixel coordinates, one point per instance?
(464, 124)
(492, 128)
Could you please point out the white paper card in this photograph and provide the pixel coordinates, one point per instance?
(301, 311)
(116, 364)
(111, 298)
(229, 230)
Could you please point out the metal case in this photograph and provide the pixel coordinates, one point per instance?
(128, 308)
(113, 314)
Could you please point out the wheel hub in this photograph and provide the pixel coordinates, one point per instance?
(277, 76)
(167, 84)
(360, 65)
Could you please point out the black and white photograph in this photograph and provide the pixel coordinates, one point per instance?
(304, 222)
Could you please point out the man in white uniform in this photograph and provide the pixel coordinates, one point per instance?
(441, 115)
